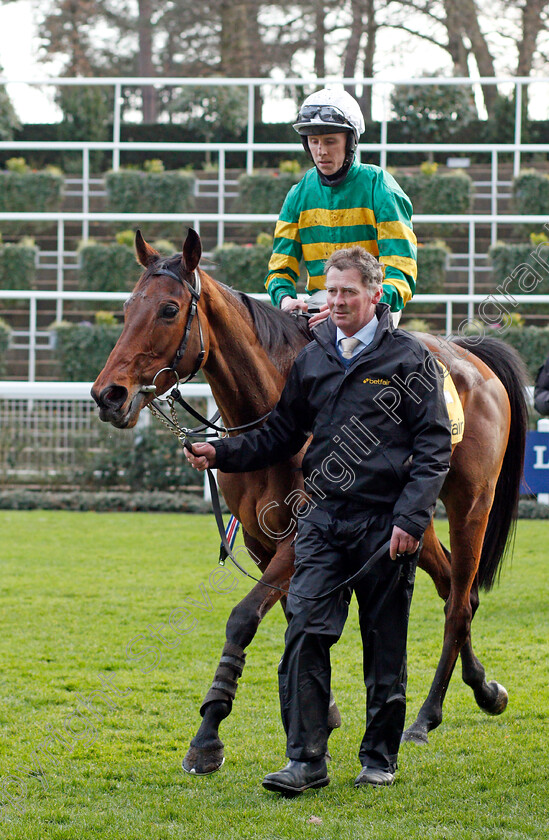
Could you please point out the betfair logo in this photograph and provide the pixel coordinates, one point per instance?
(456, 428)
(369, 381)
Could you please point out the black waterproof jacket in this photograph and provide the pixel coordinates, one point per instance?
(380, 429)
(541, 391)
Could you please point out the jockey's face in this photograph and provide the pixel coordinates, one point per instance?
(328, 151)
(352, 304)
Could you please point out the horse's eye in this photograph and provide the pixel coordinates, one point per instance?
(169, 311)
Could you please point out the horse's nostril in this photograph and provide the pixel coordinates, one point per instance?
(113, 396)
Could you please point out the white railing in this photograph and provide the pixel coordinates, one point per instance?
(54, 420)
(449, 300)
(493, 151)
(381, 89)
(471, 221)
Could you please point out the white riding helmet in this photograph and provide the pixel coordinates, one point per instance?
(330, 111)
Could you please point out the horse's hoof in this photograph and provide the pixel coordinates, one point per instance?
(202, 762)
(500, 702)
(415, 734)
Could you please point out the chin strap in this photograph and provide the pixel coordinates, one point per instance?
(340, 175)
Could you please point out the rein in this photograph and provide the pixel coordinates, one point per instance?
(182, 432)
(226, 550)
(184, 435)
(172, 422)
(362, 572)
(210, 424)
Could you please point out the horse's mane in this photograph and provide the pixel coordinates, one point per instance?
(276, 330)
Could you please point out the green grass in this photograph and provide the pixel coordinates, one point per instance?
(77, 587)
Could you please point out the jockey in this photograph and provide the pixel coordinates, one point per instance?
(338, 204)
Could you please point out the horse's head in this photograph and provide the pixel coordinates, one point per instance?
(160, 333)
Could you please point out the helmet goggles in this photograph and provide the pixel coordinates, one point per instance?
(325, 114)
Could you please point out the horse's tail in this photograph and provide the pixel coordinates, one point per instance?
(508, 366)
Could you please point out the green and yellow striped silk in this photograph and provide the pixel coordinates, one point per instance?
(368, 208)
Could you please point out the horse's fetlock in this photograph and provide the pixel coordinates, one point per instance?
(213, 711)
(207, 741)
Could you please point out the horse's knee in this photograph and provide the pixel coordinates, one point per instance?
(242, 625)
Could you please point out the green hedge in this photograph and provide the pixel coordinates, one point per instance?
(82, 349)
(527, 509)
(149, 459)
(161, 502)
(242, 266)
(110, 500)
(264, 192)
(499, 130)
(107, 268)
(505, 259)
(22, 192)
(30, 191)
(5, 335)
(531, 196)
(530, 509)
(531, 342)
(438, 194)
(431, 267)
(17, 266)
(133, 191)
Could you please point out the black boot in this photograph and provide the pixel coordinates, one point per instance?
(298, 776)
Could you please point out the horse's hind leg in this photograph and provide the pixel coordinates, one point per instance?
(467, 529)
(491, 697)
(435, 560)
(206, 752)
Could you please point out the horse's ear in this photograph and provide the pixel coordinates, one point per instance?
(192, 251)
(146, 255)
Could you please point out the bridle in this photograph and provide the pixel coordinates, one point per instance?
(195, 291)
(175, 394)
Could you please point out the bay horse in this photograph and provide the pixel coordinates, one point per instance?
(180, 318)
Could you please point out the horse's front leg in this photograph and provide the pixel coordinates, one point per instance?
(206, 752)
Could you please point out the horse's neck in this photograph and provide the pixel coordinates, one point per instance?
(244, 381)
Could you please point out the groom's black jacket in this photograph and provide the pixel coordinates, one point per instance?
(380, 429)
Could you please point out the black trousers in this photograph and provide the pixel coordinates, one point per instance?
(328, 551)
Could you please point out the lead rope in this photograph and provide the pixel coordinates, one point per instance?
(375, 558)
(182, 435)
